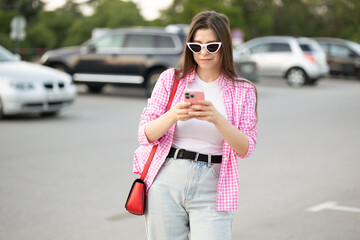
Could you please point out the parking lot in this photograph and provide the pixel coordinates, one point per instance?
(68, 177)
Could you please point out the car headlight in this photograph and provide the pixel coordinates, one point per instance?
(22, 85)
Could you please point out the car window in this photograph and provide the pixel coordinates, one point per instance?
(164, 42)
(109, 41)
(261, 48)
(339, 51)
(280, 47)
(323, 46)
(306, 47)
(355, 46)
(140, 41)
(5, 55)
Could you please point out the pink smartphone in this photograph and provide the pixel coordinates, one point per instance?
(193, 95)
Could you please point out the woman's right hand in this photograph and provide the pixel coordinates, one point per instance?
(158, 127)
(181, 111)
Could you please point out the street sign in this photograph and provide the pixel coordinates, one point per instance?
(237, 36)
(18, 24)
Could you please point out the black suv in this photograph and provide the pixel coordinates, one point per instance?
(126, 56)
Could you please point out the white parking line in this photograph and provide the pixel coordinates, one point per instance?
(332, 206)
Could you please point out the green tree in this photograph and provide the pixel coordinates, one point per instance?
(115, 13)
(48, 37)
(108, 14)
(182, 11)
(253, 17)
(80, 31)
(336, 18)
(58, 22)
(5, 19)
(27, 8)
(258, 17)
(293, 18)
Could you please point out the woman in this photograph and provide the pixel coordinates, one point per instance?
(193, 180)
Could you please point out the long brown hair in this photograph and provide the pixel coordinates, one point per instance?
(219, 23)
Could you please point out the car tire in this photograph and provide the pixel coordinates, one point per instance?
(296, 77)
(153, 76)
(312, 81)
(95, 87)
(358, 73)
(1, 110)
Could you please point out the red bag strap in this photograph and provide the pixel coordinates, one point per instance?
(153, 150)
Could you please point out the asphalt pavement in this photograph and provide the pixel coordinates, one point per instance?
(67, 178)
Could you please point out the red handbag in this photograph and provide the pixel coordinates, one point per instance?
(136, 200)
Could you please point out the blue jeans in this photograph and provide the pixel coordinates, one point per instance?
(181, 203)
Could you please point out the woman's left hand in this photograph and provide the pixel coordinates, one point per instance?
(205, 111)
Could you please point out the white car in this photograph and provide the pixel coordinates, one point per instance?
(32, 88)
(299, 60)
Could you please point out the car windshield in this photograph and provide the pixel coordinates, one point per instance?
(6, 56)
(355, 47)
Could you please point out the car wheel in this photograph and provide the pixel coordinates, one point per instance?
(296, 77)
(312, 81)
(95, 87)
(1, 110)
(358, 74)
(151, 81)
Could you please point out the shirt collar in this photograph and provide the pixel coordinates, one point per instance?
(224, 81)
(191, 77)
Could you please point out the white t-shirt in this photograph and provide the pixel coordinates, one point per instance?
(198, 135)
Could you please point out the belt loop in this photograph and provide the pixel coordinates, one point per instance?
(176, 152)
(209, 160)
(196, 157)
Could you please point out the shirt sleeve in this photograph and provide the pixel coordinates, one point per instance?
(156, 105)
(248, 121)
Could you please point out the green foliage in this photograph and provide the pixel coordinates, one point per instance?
(27, 8)
(115, 13)
(58, 22)
(41, 36)
(68, 26)
(182, 11)
(80, 31)
(5, 41)
(333, 18)
(108, 14)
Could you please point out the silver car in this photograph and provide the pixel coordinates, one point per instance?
(31, 88)
(299, 60)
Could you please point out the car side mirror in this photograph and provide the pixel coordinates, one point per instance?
(246, 52)
(90, 48)
(353, 55)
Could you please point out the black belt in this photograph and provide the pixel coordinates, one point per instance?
(183, 154)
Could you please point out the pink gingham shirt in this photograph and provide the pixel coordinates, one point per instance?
(239, 100)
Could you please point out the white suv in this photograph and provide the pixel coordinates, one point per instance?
(299, 60)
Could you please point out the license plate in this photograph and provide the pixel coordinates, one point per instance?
(55, 96)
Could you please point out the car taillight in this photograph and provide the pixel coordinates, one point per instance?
(309, 57)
